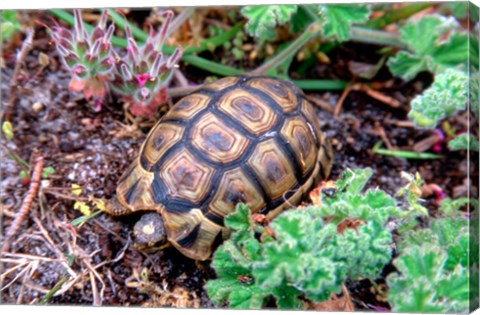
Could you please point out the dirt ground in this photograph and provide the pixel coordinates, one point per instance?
(96, 262)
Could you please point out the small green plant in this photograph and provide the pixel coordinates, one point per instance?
(434, 44)
(305, 253)
(143, 74)
(88, 55)
(9, 24)
(447, 95)
(433, 265)
(7, 131)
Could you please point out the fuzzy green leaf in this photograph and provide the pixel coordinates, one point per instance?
(423, 285)
(263, 19)
(241, 223)
(364, 251)
(447, 95)
(450, 206)
(238, 295)
(338, 18)
(432, 265)
(354, 180)
(233, 262)
(464, 141)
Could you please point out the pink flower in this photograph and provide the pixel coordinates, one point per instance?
(439, 194)
(142, 79)
(437, 147)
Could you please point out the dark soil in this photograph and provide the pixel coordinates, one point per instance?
(93, 149)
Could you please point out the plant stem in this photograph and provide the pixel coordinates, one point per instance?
(211, 66)
(23, 164)
(183, 90)
(310, 32)
(54, 290)
(214, 42)
(397, 15)
(320, 85)
(404, 154)
(371, 36)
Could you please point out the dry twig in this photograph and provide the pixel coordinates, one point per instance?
(390, 101)
(26, 46)
(320, 103)
(27, 202)
(379, 96)
(342, 98)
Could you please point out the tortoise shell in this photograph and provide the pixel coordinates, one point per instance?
(242, 139)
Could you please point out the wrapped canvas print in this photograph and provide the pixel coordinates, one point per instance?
(305, 156)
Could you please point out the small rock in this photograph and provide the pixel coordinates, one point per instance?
(37, 107)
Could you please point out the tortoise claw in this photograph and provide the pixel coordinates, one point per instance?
(113, 207)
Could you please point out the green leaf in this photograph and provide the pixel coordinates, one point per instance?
(450, 206)
(458, 9)
(85, 218)
(47, 171)
(353, 181)
(434, 43)
(23, 174)
(423, 285)
(301, 19)
(9, 24)
(263, 19)
(338, 18)
(464, 141)
(421, 35)
(7, 130)
(240, 219)
(407, 65)
(241, 223)
(453, 51)
(238, 295)
(447, 95)
(364, 251)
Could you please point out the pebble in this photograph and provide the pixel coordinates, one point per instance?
(37, 107)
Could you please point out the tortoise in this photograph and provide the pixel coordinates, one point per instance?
(241, 139)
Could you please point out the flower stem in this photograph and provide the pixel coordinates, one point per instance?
(320, 85)
(372, 36)
(310, 32)
(397, 15)
(211, 66)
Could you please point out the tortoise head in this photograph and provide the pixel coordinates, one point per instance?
(149, 233)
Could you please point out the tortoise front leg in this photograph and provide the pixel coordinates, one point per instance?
(115, 208)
